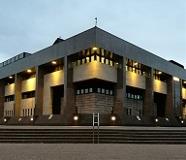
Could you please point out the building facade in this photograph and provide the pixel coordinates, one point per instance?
(92, 72)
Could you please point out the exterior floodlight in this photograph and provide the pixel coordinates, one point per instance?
(176, 79)
(75, 118)
(29, 71)
(54, 62)
(113, 118)
(94, 48)
(156, 120)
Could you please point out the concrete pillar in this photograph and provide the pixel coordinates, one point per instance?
(69, 108)
(39, 91)
(148, 107)
(2, 98)
(169, 108)
(120, 91)
(18, 81)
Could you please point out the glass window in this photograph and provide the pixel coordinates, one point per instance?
(107, 61)
(90, 90)
(102, 60)
(111, 63)
(86, 90)
(111, 92)
(78, 91)
(98, 58)
(87, 59)
(103, 90)
(98, 90)
(92, 58)
(83, 61)
(82, 91)
(107, 91)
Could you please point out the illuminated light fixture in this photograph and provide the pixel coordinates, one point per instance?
(176, 79)
(29, 71)
(138, 118)
(184, 82)
(113, 118)
(156, 120)
(19, 119)
(10, 77)
(4, 119)
(50, 117)
(75, 118)
(54, 62)
(182, 121)
(117, 63)
(136, 63)
(167, 119)
(159, 72)
(94, 48)
(31, 119)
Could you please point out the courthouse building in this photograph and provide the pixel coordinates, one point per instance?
(92, 72)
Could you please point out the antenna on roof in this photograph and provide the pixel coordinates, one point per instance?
(96, 21)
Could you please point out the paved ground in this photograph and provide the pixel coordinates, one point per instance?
(90, 127)
(91, 152)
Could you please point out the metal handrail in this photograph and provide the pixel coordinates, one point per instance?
(94, 116)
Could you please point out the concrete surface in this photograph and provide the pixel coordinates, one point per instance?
(91, 152)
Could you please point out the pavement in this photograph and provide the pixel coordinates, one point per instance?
(90, 127)
(92, 152)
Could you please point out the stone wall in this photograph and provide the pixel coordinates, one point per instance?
(94, 102)
(136, 106)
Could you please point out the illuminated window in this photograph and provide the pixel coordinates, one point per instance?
(87, 59)
(86, 90)
(92, 58)
(107, 91)
(82, 91)
(90, 90)
(102, 90)
(83, 61)
(111, 92)
(98, 90)
(111, 63)
(102, 60)
(98, 58)
(78, 91)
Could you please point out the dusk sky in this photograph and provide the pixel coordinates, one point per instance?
(158, 26)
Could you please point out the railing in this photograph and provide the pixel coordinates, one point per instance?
(95, 123)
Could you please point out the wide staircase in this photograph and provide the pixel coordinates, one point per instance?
(31, 134)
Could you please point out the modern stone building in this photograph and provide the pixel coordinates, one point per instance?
(92, 72)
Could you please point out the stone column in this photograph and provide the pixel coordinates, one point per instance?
(2, 98)
(39, 91)
(18, 81)
(120, 91)
(169, 108)
(69, 108)
(149, 109)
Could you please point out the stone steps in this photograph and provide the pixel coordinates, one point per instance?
(78, 135)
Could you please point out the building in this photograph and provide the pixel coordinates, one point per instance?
(93, 71)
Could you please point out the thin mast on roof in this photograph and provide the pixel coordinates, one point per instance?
(96, 21)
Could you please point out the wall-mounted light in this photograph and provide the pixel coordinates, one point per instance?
(113, 118)
(176, 79)
(182, 121)
(75, 118)
(159, 72)
(167, 119)
(19, 119)
(5, 120)
(184, 82)
(156, 120)
(136, 63)
(29, 71)
(54, 62)
(94, 48)
(31, 119)
(10, 77)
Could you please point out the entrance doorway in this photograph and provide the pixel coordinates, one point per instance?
(160, 101)
(57, 95)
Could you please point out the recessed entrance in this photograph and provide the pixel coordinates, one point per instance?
(159, 100)
(57, 98)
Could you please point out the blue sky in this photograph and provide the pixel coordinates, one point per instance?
(158, 26)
